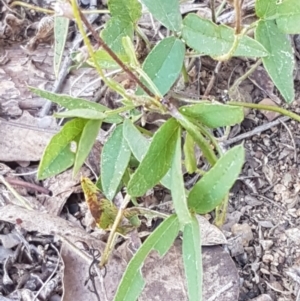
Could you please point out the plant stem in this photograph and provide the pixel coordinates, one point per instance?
(213, 10)
(211, 138)
(185, 74)
(238, 17)
(243, 77)
(113, 234)
(101, 43)
(231, 51)
(110, 83)
(193, 130)
(266, 108)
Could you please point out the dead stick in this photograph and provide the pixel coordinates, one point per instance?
(21, 183)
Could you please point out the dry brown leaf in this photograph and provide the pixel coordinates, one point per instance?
(164, 277)
(62, 186)
(22, 144)
(210, 234)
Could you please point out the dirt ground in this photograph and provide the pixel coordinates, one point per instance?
(260, 244)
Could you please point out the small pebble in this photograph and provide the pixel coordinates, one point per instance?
(243, 230)
(267, 258)
(266, 244)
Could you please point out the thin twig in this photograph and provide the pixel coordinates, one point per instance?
(23, 202)
(212, 80)
(52, 274)
(269, 200)
(244, 76)
(255, 131)
(216, 295)
(293, 140)
(24, 184)
(112, 234)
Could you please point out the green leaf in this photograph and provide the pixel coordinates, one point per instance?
(192, 259)
(105, 61)
(177, 186)
(208, 38)
(86, 142)
(58, 155)
(157, 161)
(288, 20)
(72, 103)
(81, 113)
(166, 12)
(280, 63)
(139, 146)
(129, 49)
(164, 63)
(286, 13)
(190, 161)
(61, 27)
(132, 282)
(114, 160)
(209, 192)
(125, 10)
(194, 131)
(214, 115)
(266, 8)
(137, 142)
(115, 29)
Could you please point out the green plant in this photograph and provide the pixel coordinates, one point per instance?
(160, 156)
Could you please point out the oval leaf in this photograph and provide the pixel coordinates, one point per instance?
(125, 10)
(86, 142)
(61, 28)
(157, 161)
(214, 115)
(196, 134)
(81, 113)
(288, 20)
(114, 160)
(265, 8)
(208, 38)
(137, 142)
(166, 12)
(139, 146)
(59, 155)
(177, 186)
(105, 61)
(164, 63)
(190, 160)
(192, 259)
(72, 103)
(132, 282)
(209, 192)
(280, 63)
(115, 29)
